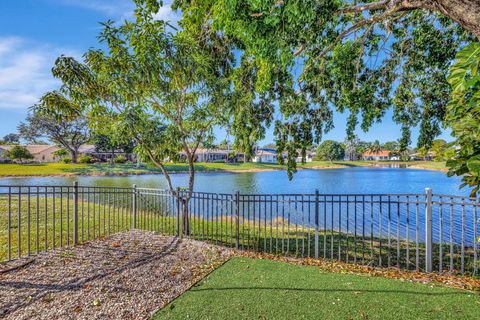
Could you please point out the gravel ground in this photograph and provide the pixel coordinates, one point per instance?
(126, 276)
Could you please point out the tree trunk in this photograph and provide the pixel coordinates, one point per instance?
(138, 160)
(74, 156)
(186, 200)
(465, 12)
(113, 155)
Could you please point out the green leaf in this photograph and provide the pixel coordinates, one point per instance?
(473, 165)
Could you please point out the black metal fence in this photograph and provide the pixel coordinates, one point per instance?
(424, 232)
(36, 219)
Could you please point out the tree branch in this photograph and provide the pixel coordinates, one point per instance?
(365, 7)
(395, 5)
(162, 167)
(354, 27)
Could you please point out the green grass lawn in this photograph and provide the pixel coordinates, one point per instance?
(46, 169)
(262, 289)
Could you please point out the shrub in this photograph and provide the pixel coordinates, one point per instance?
(19, 153)
(120, 159)
(85, 159)
(60, 153)
(67, 160)
(330, 150)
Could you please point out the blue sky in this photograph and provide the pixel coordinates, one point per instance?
(34, 32)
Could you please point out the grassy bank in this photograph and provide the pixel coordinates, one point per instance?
(61, 169)
(263, 289)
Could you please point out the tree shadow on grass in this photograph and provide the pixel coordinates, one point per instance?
(44, 290)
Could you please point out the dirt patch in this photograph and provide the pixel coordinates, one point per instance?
(126, 276)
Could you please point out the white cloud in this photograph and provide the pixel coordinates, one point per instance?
(166, 13)
(25, 71)
(122, 9)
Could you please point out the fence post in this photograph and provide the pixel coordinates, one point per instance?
(237, 213)
(134, 207)
(178, 211)
(428, 231)
(316, 222)
(75, 213)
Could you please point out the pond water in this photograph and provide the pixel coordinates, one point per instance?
(346, 180)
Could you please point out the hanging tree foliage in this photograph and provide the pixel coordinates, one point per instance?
(165, 90)
(359, 57)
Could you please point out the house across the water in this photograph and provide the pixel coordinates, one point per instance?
(102, 155)
(216, 155)
(422, 157)
(271, 156)
(308, 157)
(40, 152)
(378, 156)
(265, 156)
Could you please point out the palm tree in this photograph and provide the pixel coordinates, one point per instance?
(375, 147)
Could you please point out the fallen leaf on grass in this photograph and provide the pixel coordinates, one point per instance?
(96, 302)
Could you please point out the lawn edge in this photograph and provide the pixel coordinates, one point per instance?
(180, 171)
(467, 283)
(214, 267)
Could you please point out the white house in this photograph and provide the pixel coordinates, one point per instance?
(216, 155)
(308, 157)
(377, 156)
(265, 156)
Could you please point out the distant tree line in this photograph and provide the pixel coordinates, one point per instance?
(352, 149)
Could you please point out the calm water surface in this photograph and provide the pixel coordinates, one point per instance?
(347, 180)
